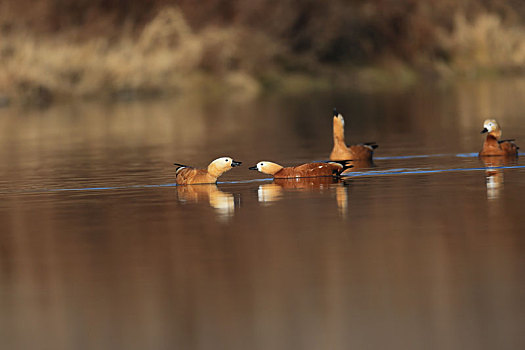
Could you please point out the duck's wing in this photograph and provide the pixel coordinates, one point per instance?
(184, 174)
(508, 145)
(182, 166)
(331, 168)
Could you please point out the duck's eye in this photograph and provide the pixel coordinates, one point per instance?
(226, 160)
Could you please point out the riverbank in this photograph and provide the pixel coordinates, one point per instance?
(169, 56)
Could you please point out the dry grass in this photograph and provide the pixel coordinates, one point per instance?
(484, 43)
(166, 57)
(58, 49)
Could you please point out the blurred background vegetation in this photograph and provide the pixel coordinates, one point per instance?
(59, 49)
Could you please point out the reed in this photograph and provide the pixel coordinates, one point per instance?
(59, 49)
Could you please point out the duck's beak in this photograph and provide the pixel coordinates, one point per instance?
(235, 163)
(253, 167)
(484, 130)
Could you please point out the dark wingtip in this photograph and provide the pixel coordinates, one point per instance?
(336, 113)
(180, 165)
(342, 162)
(345, 167)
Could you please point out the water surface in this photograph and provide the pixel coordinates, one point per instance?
(424, 248)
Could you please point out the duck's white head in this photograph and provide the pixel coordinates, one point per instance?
(221, 165)
(492, 127)
(267, 167)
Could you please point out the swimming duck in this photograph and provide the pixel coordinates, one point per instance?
(340, 151)
(186, 175)
(305, 170)
(493, 146)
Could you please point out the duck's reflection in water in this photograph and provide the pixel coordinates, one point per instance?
(494, 176)
(341, 195)
(269, 193)
(222, 202)
(273, 192)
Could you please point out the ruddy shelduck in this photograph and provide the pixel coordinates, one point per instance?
(493, 146)
(340, 151)
(186, 175)
(305, 170)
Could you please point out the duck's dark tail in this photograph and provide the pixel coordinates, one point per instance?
(180, 166)
(345, 163)
(373, 145)
(345, 167)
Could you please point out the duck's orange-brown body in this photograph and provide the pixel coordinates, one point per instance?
(341, 151)
(190, 176)
(186, 175)
(304, 170)
(493, 146)
(310, 170)
(355, 152)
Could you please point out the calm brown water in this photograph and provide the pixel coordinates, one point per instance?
(412, 253)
